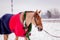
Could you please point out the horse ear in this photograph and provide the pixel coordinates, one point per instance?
(38, 11)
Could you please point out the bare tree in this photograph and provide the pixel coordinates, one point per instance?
(48, 14)
(52, 13)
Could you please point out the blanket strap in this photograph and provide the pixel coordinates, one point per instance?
(29, 28)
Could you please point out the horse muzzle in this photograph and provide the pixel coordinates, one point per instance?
(40, 29)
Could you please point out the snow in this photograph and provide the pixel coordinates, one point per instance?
(52, 27)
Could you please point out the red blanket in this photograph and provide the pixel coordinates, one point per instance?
(16, 26)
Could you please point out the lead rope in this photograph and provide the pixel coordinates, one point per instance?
(51, 34)
(12, 6)
(47, 31)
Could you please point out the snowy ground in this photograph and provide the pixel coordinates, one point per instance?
(52, 27)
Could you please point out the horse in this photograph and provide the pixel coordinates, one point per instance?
(19, 23)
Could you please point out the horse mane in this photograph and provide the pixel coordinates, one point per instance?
(29, 11)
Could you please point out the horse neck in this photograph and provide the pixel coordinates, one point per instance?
(28, 18)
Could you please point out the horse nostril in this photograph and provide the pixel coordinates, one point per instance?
(40, 29)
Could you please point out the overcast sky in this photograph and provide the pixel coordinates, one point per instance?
(22, 5)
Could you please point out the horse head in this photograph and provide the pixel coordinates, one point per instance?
(38, 21)
(35, 17)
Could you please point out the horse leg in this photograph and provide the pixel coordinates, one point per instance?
(5, 36)
(16, 38)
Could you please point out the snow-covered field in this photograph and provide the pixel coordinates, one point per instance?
(52, 27)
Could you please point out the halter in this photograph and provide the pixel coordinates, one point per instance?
(29, 27)
(35, 20)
